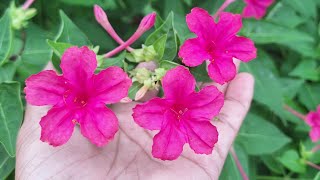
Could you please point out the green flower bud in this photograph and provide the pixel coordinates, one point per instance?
(20, 17)
(141, 74)
(145, 54)
(159, 72)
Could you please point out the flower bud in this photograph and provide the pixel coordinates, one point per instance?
(145, 54)
(20, 16)
(99, 14)
(159, 72)
(148, 21)
(141, 74)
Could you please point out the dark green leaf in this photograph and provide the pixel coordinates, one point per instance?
(259, 136)
(306, 69)
(11, 114)
(309, 96)
(272, 164)
(201, 73)
(7, 163)
(167, 65)
(7, 71)
(6, 36)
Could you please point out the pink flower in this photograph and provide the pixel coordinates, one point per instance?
(216, 42)
(182, 116)
(256, 8)
(78, 96)
(313, 120)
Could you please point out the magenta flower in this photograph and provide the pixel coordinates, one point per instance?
(216, 42)
(313, 120)
(182, 116)
(78, 96)
(256, 8)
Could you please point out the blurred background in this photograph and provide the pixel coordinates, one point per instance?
(272, 143)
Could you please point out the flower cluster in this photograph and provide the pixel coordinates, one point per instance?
(182, 116)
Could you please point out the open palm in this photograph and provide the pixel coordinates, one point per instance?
(128, 156)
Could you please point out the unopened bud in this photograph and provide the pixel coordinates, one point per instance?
(99, 14)
(141, 92)
(20, 16)
(148, 21)
(159, 72)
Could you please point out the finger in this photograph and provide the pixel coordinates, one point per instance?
(223, 87)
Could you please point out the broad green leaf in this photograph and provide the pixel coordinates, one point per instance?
(7, 163)
(272, 164)
(159, 46)
(134, 89)
(259, 136)
(317, 177)
(7, 71)
(290, 86)
(306, 69)
(167, 65)
(267, 90)
(162, 30)
(58, 47)
(70, 33)
(11, 114)
(107, 4)
(115, 61)
(159, 22)
(307, 8)
(309, 96)
(36, 53)
(6, 36)
(201, 73)
(171, 46)
(263, 32)
(292, 161)
(280, 13)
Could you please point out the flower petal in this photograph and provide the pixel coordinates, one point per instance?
(168, 143)
(222, 70)
(111, 85)
(202, 136)
(78, 65)
(254, 11)
(315, 133)
(193, 52)
(99, 125)
(205, 104)
(57, 126)
(178, 83)
(45, 88)
(228, 26)
(150, 115)
(242, 48)
(200, 22)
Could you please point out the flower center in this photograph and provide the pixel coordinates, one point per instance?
(77, 100)
(179, 111)
(211, 47)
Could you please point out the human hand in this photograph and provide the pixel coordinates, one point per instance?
(128, 156)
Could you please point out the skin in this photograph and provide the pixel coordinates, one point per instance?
(128, 155)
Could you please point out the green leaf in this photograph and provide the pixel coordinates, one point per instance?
(36, 53)
(11, 114)
(307, 8)
(58, 47)
(309, 96)
(291, 87)
(267, 90)
(230, 170)
(201, 73)
(274, 165)
(134, 89)
(167, 65)
(115, 61)
(263, 32)
(70, 33)
(7, 164)
(171, 45)
(159, 46)
(106, 4)
(291, 160)
(306, 69)
(6, 36)
(7, 71)
(259, 136)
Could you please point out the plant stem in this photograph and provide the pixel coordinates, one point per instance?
(222, 8)
(240, 168)
(313, 165)
(123, 46)
(27, 4)
(294, 112)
